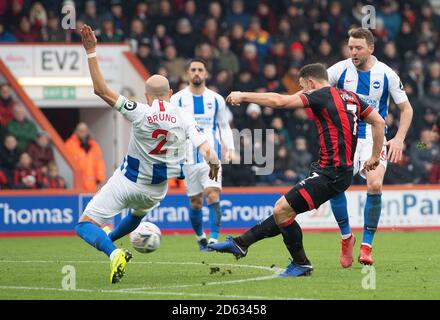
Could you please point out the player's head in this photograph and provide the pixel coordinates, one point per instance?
(197, 72)
(157, 87)
(313, 76)
(361, 46)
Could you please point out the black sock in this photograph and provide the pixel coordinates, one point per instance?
(266, 229)
(292, 236)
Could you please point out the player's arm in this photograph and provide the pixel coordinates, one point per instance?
(406, 113)
(267, 99)
(372, 117)
(396, 143)
(100, 87)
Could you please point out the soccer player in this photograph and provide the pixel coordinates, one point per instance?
(373, 82)
(210, 113)
(156, 148)
(336, 113)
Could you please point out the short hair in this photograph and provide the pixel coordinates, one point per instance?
(201, 60)
(314, 70)
(361, 33)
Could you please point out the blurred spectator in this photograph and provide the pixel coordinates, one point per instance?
(146, 57)
(259, 37)
(52, 32)
(22, 128)
(160, 40)
(434, 173)
(271, 80)
(86, 152)
(291, 80)
(136, 34)
(75, 35)
(432, 98)
(119, 19)
(406, 39)
(190, 13)
(267, 18)
(296, 18)
(165, 16)
(205, 51)
(4, 181)
(15, 14)
(296, 54)
(424, 154)
(26, 33)
(5, 35)
(7, 104)
(278, 56)
(416, 78)
(174, 66)
(402, 172)
(26, 176)
(3, 131)
(9, 155)
(38, 16)
(143, 15)
(302, 158)
(227, 60)
(223, 82)
(391, 18)
(216, 11)
(250, 60)
(302, 126)
(90, 16)
(41, 151)
(325, 54)
(282, 133)
(185, 39)
(283, 173)
(433, 75)
(237, 39)
(390, 57)
(108, 32)
(237, 15)
(338, 21)
(238, 174)
(210, 31)
(254, 120)
(284, 31)
(52, 180)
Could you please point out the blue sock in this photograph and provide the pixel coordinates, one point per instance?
(95, 236)
(215, 218)
(373, 207)
(127, 225)
(339, 208)
(196, 218)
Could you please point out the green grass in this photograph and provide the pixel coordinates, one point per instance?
(406, 266)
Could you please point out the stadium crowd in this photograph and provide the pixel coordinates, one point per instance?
(254, 46)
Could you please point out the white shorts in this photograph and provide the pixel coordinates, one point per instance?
(197, 178)
(120, 193)
(363, 152)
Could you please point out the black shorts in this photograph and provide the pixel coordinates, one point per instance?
(321, 185)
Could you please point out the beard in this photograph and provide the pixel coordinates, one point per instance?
(360, 62)
(197, 82)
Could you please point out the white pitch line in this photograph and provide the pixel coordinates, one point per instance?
(150, 293)
(275, 272)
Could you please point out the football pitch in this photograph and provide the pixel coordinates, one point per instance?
(406, 267)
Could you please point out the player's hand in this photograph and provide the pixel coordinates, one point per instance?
(88, 38)
(395, 149)
(213, 171)
(235, 98)
(371, 164)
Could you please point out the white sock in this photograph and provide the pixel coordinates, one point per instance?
(366, 244)
(345, 236)
(114, 253)
(212, 240)
(203, 236)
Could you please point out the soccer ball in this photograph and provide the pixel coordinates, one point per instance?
(146, 237)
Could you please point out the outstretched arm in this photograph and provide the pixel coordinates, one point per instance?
(396, 143)
(100, 87)
(267, 99)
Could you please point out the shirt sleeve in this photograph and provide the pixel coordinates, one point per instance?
(315, 100)
(334, 73)
(223, 124)
(192, 132)
(131, 110)
(366, 109)
(396, 88)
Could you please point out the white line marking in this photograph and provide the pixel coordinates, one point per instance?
(161, 293)
(139, 290)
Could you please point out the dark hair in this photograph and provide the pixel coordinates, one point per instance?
(314, 70)
(361, 33)
(202, 61)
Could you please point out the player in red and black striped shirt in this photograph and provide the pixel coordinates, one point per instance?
(336, 113)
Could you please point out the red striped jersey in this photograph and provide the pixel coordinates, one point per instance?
(336, 113)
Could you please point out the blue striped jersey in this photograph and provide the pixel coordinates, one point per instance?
(211, 114)
(158, 140)
(374, 87)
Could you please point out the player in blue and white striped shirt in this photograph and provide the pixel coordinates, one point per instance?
(211, 114)
(374, 82)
